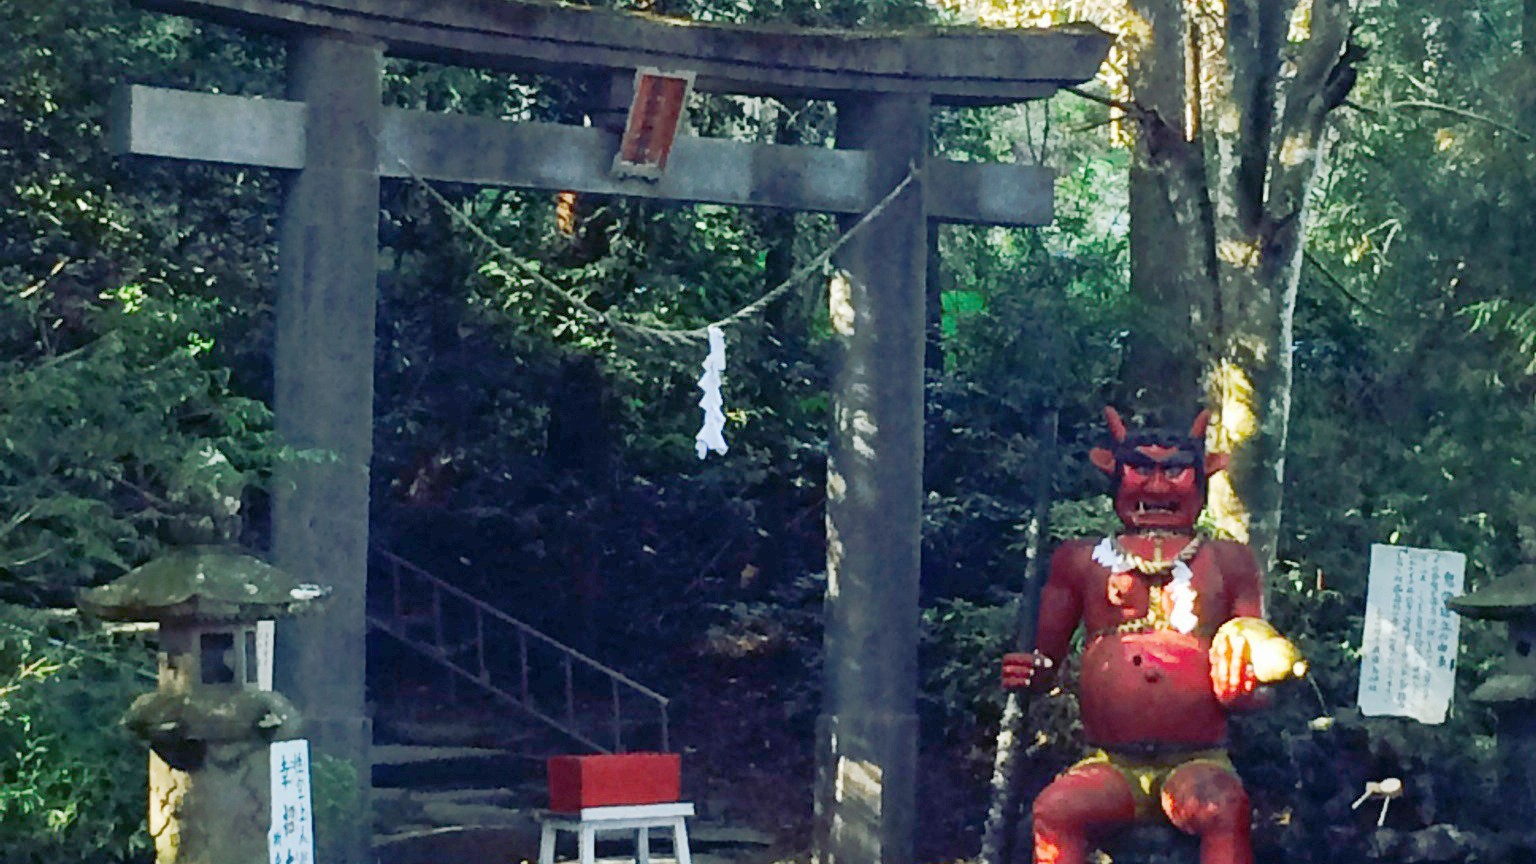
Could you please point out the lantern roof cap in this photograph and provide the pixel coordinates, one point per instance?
(1508, 597)
(210, 584)
(1506, 689)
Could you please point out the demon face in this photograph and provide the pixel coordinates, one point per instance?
(1160, 477)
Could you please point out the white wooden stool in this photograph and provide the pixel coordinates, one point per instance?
(639, 818)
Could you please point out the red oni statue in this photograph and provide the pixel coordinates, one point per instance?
(1175, 639)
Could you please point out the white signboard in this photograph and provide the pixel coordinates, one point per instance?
(1408, 653)
(291, 840)
(266, 638)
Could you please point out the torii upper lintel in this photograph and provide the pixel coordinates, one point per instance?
(952, 65)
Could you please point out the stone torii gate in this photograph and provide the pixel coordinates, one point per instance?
(335, 140)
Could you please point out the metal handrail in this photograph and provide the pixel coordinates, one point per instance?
(569, 656)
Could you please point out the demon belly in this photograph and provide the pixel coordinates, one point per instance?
(1149, 689)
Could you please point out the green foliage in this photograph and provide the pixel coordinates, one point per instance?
(1518, 321)
(130, 439)
(336, 802)
(1054, 310)
(1084, 517)
(73, 785)
(73, 223)
(1413, 399)
(120, 355)
(963, 682)
(779, 631)
(963, 645)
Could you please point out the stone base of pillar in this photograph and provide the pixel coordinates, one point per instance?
(865, 788)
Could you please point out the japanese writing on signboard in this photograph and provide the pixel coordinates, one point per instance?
(1408, 652)
(291, 839)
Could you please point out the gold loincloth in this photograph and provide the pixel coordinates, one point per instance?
(1147, 773)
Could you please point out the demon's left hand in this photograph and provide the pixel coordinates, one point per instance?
(1232, 674)
(1247, 652)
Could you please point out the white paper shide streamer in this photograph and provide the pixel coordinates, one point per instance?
(712, 435)
(1181, 588)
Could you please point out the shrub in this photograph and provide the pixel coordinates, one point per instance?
(75, 787)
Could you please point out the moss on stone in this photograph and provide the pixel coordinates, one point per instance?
(1506, 690)
(213, 714)
(207, 583)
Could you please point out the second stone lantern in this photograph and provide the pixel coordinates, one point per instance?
(1511, 693)
(209, 722)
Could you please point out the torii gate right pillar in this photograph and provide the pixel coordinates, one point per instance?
(867, 735)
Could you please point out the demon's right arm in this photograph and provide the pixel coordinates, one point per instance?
(1061, 610)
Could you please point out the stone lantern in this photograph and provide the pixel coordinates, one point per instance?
(1511, 693)
(209, 723)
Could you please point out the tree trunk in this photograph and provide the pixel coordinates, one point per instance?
(1528, 29)
(1227, 152)
(1249, 384)
(1170, 220)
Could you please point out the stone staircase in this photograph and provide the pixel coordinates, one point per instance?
(448, 802)
(459, 764)
(478, 646)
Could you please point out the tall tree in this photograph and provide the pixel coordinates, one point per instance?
(1268, 98)
(1228, 104)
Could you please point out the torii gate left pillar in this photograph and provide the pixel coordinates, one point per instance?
(327, 296)
(338, 141)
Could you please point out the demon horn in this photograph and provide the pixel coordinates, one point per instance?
(1116, 425)
(1197, 428)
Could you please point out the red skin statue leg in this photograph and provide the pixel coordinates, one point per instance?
(1208, 800)
(1077, 805)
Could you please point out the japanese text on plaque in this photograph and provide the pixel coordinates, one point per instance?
(292, 836)
(1408, 652)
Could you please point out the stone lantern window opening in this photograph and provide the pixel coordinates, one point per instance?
(252, 670)
(208, 655)
(1522, 637)
(217, 657)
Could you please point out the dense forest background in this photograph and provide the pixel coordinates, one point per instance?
(544, 462)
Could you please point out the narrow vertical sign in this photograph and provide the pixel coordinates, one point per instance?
(291, 840)
(266, 637)
(1408, 652)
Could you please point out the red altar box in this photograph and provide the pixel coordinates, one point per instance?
(610, 780)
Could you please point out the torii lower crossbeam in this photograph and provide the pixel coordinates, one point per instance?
(156, 121)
